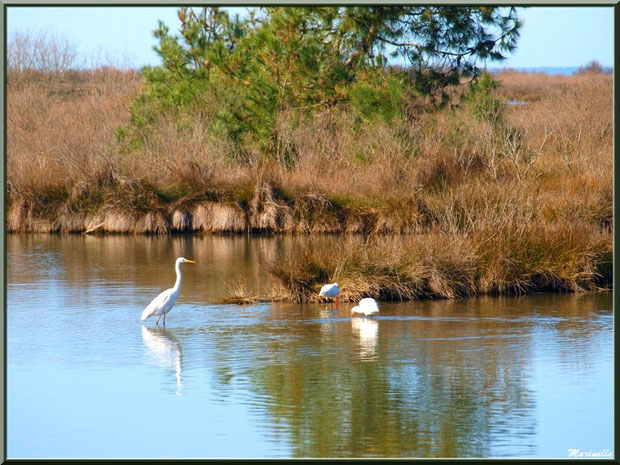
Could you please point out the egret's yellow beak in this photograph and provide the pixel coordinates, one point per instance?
(190, 261)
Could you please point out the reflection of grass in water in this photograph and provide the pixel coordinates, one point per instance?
(409, 399)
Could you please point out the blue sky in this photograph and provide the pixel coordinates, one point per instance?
(551, 36)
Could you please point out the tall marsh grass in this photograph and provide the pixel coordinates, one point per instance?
(503, 201)
(432, 265)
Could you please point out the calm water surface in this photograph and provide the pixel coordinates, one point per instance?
(489, 377)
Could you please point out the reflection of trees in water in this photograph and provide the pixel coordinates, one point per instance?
(147, 262)
(573, 331)
(415, 398)
(471, 396)
(567, 324)
(43, 260)
(452, 383)
(163, 349)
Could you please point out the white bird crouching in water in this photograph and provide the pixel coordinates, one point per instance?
(330, 290)
(366, 307)
(163, 303)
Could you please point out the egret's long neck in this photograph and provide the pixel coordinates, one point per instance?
(177, 284)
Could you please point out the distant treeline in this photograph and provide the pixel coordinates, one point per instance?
(592, 67)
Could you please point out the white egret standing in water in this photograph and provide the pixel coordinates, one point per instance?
(331, 291)
(163, 303)
(366, 307)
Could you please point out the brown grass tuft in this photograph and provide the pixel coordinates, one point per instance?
(240, 294)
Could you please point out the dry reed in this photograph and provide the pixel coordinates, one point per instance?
(489, 206)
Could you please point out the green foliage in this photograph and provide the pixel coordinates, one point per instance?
(483, 102)
(120, 134)
(379, 94)
(238, 75)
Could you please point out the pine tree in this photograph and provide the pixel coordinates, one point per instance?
(241, 73)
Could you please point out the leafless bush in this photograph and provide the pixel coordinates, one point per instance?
(41, 52)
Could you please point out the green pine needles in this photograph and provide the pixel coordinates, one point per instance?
(236, 76)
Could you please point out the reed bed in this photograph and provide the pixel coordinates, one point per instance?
(506, 202)
(431, 266)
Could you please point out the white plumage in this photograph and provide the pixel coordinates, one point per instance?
(164, 349)
(366, 307)
(163, 303)
(330, 290)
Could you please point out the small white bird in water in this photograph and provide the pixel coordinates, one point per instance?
(331, 291)
(163, 303)
(366, 307)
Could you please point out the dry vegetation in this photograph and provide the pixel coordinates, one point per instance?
(241, 294)
(486, 207)
(516, 260)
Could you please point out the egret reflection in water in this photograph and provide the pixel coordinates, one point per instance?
(329, 312)
(368, 331)
(164, 349)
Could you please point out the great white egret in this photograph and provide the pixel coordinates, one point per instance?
(163, 303)
(331, 291)
(366, 307)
